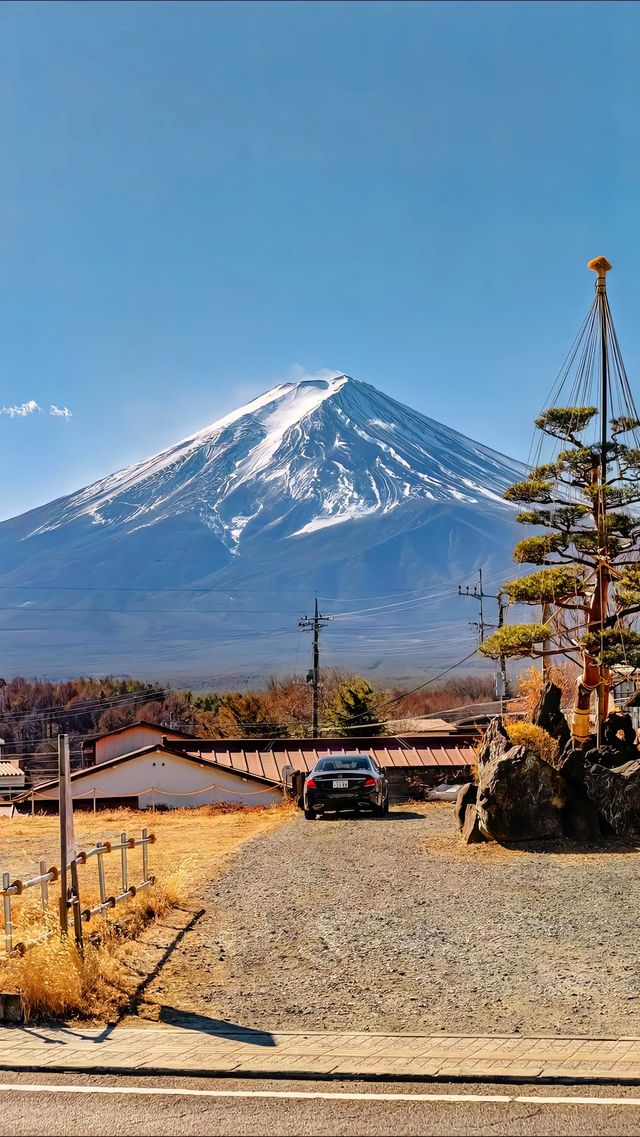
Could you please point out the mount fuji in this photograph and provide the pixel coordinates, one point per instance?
(197, 563)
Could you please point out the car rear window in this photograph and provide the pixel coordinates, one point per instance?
(333, 765)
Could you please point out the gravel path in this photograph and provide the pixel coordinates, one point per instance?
(393, 925)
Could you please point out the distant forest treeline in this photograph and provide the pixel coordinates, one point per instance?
(33, 713)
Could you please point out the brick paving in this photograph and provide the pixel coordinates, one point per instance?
(170, 1050)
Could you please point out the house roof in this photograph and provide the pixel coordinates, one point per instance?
(422, 725)
(267, 759)
(139, 722)
(8, 770)
(155, 748)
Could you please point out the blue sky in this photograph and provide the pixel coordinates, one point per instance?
(200, 200)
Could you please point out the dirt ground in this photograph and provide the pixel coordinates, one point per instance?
(193, 836)
(393, 924)
(372, 924)
(191, 847)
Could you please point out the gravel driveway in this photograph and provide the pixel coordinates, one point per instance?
(392, 924)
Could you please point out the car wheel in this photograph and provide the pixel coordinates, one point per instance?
(310, 814)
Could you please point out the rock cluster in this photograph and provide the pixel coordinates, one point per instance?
(520, 796)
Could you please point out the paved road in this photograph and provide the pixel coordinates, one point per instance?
(184, 1107)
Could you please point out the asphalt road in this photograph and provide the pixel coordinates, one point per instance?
(122, 1106)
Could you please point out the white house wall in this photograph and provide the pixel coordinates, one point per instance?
(135, 738)
(166, 779)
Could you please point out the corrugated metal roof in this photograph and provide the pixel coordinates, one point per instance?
(445, 752)
(8, 770)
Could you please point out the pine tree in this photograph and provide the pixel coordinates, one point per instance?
(354, 710)
(587, 579)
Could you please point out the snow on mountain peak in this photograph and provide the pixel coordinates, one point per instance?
(303, 456)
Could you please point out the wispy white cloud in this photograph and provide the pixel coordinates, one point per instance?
(21, 410)
(298, 373)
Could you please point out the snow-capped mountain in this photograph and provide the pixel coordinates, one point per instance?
(325, 486)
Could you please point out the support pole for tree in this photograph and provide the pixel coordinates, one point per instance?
(593, 677)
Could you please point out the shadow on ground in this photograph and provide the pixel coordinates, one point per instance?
(354, 815)
(203, 1024)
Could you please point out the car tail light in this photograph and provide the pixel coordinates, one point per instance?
(369, 782)
(311, 785)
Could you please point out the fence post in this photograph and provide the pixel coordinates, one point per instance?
(153, 799)
(101, 884)
(123, 861)
(145, 857)
(6, 902)
(77, 911)
(62, 812)
(94, 799)
(44, 888)
(33, 804)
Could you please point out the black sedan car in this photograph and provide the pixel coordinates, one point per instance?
(345, 781)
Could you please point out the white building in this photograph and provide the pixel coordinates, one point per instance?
(11, 780)
(124, 740)
(156, 777)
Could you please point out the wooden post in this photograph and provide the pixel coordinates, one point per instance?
(6, 903)
(145, 856)
(68, 865)
(123, 861)
(44, 888)
(63, 766)
(101, 881)
(76, 909)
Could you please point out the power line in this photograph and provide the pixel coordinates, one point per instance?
(428, 682)
(420, 687)
(231, 592)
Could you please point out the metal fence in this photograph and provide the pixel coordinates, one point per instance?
(71, 903)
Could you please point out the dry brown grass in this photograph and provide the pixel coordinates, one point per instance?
(192, 845)
(534, 738)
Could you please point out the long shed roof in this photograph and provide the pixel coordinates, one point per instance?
(267, 759)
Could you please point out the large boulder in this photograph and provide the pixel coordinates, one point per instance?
(471, 832)
(617, 745)
(616, 793)
(548, 715)
(467, 795)
(520, 796)
(581, 821)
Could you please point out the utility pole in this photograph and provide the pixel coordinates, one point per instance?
(315, 622)
(478, 593)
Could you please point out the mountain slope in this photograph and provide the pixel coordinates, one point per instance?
(186, 562)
